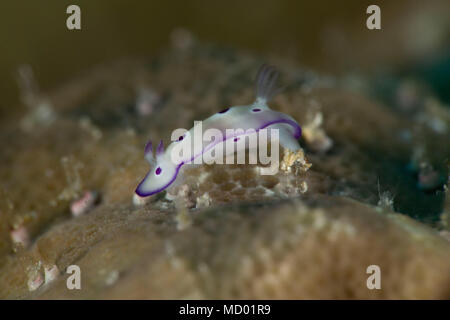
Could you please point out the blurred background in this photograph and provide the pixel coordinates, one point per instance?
(329, 36)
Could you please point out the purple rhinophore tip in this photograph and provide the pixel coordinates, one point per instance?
(180, 138)
(160, 148)
(158, 171)
(235, 139)
(224, 110)
(256, 110)
(148, 148)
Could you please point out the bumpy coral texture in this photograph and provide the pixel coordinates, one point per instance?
(350, 199)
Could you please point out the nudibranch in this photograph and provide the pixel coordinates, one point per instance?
(256, 116)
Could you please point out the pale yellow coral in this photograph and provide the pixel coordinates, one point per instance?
(290, 158)
(314, 134)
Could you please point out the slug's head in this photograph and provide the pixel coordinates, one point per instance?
(161, 175)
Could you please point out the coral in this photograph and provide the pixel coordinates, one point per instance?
(318, 247)
(313, 133)
(41, 112)
(84, 204)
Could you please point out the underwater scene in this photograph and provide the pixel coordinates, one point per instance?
(225, 150)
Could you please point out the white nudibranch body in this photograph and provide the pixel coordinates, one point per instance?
(240, 119)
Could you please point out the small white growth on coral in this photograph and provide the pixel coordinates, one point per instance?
(112, 278)
(268, 192)
(289, 186)
(303, 187)
(35, 282)
(84, 204)
(86, 124)
(40, 109)
(181, 195)
(147, 101)
(51, 273)
(203, 176)
(170, 196)
(41, 115)
(35, 277)
(314, 134)
(182, 202)
(281, 191)
(20, 236)
(290, 158)
(108, 277)
(386, 200)
(203, 201)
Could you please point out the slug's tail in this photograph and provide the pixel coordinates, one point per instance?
(266, 87)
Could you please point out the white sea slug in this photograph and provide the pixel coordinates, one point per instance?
(256, 116)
